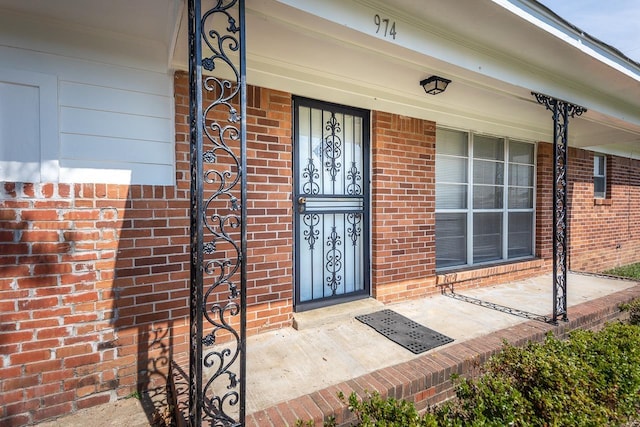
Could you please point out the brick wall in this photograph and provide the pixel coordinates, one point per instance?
(403, 206)
(93, 282)
(544, 202)
(269, 210)
(603, 233)
(94, 277)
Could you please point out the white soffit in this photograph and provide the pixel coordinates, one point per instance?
(494, 57)
(129, 24)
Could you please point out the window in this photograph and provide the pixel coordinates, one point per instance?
(484, 199)
(599, 176)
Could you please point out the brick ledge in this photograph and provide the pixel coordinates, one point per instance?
(484, 272)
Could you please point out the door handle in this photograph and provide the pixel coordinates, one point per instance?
(302, 201)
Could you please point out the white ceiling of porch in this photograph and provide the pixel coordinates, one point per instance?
(148, 19)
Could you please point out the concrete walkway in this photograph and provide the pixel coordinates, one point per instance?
(330, 347)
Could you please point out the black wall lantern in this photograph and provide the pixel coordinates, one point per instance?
(434, 85)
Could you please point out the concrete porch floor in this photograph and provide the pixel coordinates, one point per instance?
(296, 373)
(331, 346)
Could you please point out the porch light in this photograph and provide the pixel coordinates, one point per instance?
(435, 85)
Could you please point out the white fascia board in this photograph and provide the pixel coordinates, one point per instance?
(534, 14)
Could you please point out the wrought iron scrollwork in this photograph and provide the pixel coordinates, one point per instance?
(354, 219)
(311, 233)
(333, 147)
(353, 177)
(333, 263)
(311, 174)
(561, 111)
(218, 214)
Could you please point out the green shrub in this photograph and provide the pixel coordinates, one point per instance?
(590, 379)
(634, 311)
(374, 411)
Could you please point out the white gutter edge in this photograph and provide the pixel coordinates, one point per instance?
(545, 19)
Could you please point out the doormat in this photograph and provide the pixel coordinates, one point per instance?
(403, 331)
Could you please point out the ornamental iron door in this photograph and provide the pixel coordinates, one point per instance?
(331, 200)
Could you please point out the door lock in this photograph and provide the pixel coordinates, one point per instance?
(302, 201)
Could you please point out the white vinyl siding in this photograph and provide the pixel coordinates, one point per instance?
(28, 126)
(484, 199)
(113, 118)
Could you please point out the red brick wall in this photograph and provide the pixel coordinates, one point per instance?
(544, 202)
(94, 278)
(269, 210)
(91, 274)
(403, 203)
(603, 233)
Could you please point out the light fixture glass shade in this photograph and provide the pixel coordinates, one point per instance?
(434, 85)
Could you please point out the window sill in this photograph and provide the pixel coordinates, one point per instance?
(602, 202)
(481, 272)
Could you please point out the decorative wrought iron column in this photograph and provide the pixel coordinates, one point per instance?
(561, 112)
(217, 363)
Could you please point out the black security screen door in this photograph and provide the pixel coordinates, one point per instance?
(331, 203)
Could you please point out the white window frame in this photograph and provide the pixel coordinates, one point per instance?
(469, 211)
(603, 176)
(47, 85)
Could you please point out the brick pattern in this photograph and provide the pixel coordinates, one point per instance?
(603, 233)
(89, 272)
(269, 210)
(426, 380)
(544, 201)
(484, 276)
(94, 278)
(403, 203)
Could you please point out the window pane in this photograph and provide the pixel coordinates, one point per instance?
(487, 147)
(487, 236)
(487, 197)
(520, 198)
(598, 165)
(451, 169)
(451, 196)
(598, 186)
(451, 240)
(520, 234)
(521, 175)
(521, 152)
(485, 172)
(451, 142)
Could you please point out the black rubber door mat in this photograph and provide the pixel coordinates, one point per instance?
(403, 331)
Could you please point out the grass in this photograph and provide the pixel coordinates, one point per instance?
(631, 271)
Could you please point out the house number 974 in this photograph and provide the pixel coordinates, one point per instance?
(385, 26)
